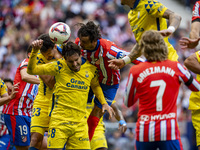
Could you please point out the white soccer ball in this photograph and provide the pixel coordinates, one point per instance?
(59, 33)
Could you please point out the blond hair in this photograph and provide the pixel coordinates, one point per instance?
(153, 46)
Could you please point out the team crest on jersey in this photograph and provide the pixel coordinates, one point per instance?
(86, 74)
(24, 138)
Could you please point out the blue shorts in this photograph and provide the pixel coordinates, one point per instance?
(162, 145)
(19, 129)
(109, 92)
(4, 142)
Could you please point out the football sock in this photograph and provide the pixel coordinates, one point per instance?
(92, 124)
(32, 148)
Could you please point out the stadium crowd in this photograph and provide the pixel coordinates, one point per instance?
(22, 21)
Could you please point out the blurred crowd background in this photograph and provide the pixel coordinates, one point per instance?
(22, 21)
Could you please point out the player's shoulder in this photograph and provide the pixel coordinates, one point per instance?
(24, 62)
(107, 44)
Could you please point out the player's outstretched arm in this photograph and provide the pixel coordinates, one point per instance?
(6, 98)
(120, 118)
(96, 88)
(44, 69)
(36, 45)
(120, 63)
(174, 22)
(29, 78)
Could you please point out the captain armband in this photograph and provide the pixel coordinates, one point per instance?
(189, 81)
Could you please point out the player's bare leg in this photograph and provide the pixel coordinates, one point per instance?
(36, 140)
(44, 143)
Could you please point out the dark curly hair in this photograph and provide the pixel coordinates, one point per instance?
(91, 30)
(47, 43)
(70, 49)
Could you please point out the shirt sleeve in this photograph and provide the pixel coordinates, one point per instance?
(97, 90)
(42, 69)
(195, 12)
(155, 8)
(187, 78)
(117, 53)
(3, 88)
(198, 56)
(130, 92)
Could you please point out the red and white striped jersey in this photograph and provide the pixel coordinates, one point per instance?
(23, 101)
(196, 12)
(105, 51)
(3, 128)
(156, 86)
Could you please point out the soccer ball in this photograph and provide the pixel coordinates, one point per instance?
(59, 33)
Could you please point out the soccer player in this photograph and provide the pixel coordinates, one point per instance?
(148, 15)
(155, 83)
(99, 51)
(193, 41)
(193, 64)
(41, 106)
(74, 76)
(17, 115)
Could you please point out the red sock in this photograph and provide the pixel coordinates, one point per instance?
(92, 124)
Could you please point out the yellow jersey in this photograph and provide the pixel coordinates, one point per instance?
(3, 89)
(43, 89)
(194, 102)
(147, 15)
(71, 88)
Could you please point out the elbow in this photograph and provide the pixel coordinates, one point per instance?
(178, 17)
(29, 71)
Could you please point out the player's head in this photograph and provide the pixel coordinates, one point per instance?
(72, 54)
(88, 34)
(9, 84)
(47, 48)
(153, 46)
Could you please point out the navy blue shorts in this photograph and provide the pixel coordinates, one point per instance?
(162, 145)
(19, 129)
(109, 92)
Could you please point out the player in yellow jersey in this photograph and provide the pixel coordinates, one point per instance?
(73, 75)
(193, 64)
(40, 112)
(148, 15)
(5, 98)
